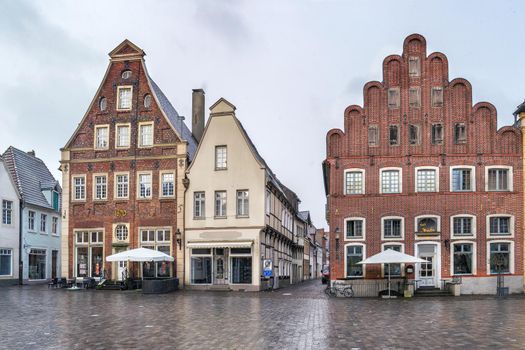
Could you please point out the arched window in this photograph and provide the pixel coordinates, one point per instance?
(103, 103)
(126, 74)
(147, 101)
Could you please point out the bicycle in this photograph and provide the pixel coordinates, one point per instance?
(339, 289)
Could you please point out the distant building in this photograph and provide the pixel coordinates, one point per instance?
(9, 228)
(238, 214)
(122, 173)
(421, 170)
(40, 219)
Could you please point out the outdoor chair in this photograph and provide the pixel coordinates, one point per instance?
(62, 282)
(53, 283)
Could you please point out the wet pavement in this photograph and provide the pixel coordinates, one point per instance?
(298, 317)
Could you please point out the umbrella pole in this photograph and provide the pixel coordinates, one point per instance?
(389, 280)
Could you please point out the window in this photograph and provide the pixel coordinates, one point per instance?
(79, 187)
(427, 225)
(145, 134)
(393, 98)
(394, 270)
(7, 212)
(460, 133)
(354, 228)
(500, 257)
(54, 225)
(498, 179)
(426, 180)
(123, 135)
(243, 203)
(144, 186)
(414, 69)
(437, 97)
(101, 137)
(43, 223)
(31, 220)
(268, 202)
(124, 98)
(201, 266)
(121, 186)
(103, 104)
(413, 134)
(126, 74)
(147, 101)
(101, 187)
(462, 226)
(199, 205)
(354, 254)
(414, 97)
(393, 135)
(437, 134)
(220, 204)
(462, 179)
(157, 239)
(241, 261)
(6, 262)
(89, 253)
(37, 264)
(391, 181)
(463, 258)
(121, 233)
(220, 157)
(373, 136)
(500, 225)
(393, 228)
(167, 184)
(354, 183)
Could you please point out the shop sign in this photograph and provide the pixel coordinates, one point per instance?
(267, 268)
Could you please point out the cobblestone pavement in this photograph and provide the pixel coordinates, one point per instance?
(299, 317)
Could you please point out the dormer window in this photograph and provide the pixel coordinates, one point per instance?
(124, 94)
(126, 74)
(103, 104)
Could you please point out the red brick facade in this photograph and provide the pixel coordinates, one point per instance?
(484, 146)
(84, 159)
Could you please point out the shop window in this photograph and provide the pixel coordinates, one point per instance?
(37, 264)
(354, 254)
(499, 258)
(394, 270)
(241, 269)
(6, 262)
(463, 258)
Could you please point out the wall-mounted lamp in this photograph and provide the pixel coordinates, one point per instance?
(178, 237)
(446, 242)
(337, 237)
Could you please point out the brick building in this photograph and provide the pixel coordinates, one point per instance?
(422, 170)
(123, 171)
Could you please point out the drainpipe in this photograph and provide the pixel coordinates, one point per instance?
(20, 245)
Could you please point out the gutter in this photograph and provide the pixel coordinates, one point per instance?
(20, 244)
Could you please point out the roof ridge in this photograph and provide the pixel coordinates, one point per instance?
(13, 168)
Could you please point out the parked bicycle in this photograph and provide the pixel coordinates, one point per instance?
(339, 289)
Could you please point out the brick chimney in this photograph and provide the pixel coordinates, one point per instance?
(197, 113)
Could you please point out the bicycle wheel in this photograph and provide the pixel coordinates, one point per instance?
(348, 292)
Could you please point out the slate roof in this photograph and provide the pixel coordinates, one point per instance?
(520, 109)
(172, 115)
(304, 215)
(31, 176)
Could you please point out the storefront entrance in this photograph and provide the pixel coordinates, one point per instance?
(220, 267)
(428, 273)
(121, 266)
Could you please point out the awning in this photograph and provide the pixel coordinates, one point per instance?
(220, 244)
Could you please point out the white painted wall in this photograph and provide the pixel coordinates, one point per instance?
(9, 233)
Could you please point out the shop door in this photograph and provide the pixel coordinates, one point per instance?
(54, 265)
(122, 266)
(220, 272)
(427, 274)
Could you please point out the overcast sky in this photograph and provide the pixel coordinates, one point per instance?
(290, 67)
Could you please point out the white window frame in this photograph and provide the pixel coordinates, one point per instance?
(215, 204)
(115, 239)
(510, 178)
(363, 245)
(400, 244)
(12, 261)
(402, 237)
(150, 173)
(202, 202)
(89, 244)
(53, 220)
(473, 226)
(355, 218)
(511, 258)
(29, 228)
(43, 215)
(164, 172)
(95, 138)
(139, 134)
(500, 236)
(245, 201)
(268, 203)
(225, 167)
(381, 179)
(436, 180)
(419, 234)
(130, 97)
(94, 187)
(472, 177)
(363, 180)
(120, 125)
(12, 218)
(73, 193)
(115, 185)
(474, 258)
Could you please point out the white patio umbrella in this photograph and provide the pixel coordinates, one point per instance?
(391, 256)
(140, 254)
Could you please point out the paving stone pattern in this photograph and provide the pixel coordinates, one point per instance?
(34, 317)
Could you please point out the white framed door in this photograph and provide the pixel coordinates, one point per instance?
(428, 273)
(121, 266)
